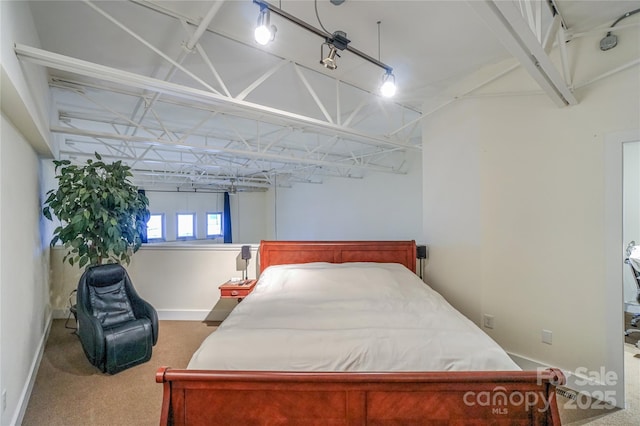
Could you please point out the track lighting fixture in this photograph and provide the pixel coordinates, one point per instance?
(338, 41)
(388, 86)
(334, 42)
(265, 32)
(330, 60)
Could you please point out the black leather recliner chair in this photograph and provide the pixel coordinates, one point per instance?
(116, 327)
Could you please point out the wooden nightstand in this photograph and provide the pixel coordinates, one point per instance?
(238, 290)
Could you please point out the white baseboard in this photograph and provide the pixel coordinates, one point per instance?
(526, 363)
(23, 401)
(182, 315)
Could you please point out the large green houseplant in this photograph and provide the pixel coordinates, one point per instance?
(102, 214)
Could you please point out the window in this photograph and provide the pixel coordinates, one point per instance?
(214, 225)
(155, 227)
(186, 225)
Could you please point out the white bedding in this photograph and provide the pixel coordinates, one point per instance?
(347, 317)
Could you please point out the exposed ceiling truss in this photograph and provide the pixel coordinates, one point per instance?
(528, 30)
(188, 130)
(200, 106)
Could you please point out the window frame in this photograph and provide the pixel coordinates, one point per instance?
(221, 234)
(163, 228)
(193, 223)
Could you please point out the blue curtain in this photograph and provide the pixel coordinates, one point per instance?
(226, 219)
(143, 231)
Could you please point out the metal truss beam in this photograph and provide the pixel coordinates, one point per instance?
(216, 101)
(242, 153)
(322, 150)
(517, 36)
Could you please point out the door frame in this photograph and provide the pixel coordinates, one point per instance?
(614, 256)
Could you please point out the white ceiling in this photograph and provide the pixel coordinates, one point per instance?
(233, 114)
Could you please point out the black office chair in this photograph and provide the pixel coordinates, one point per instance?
(636, 275)
(116, 327)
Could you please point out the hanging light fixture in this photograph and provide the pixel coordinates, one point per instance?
(388, 86)
(338, 41)
(335, 41)
(264, 32)
(330, 60)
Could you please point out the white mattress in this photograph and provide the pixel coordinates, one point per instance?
(347, 317)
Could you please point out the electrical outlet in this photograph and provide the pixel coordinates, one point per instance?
(547, 336)
(488, 321)
(4, 400)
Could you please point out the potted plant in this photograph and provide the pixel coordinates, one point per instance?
(102, 214)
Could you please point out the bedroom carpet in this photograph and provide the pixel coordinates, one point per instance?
(69, 391)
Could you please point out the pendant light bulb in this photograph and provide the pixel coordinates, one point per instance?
(388, 87)
(264, 33)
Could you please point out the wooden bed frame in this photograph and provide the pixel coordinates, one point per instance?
(286, 252)
(207, 397)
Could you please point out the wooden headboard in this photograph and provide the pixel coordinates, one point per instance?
(288, 252)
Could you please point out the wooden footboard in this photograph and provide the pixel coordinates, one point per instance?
(198, 397)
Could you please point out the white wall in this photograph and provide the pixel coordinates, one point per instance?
(24, 271)
(24, 278)
(24, 104)
(247, 212)
(180, 281)
(380, 206)
(514, 209)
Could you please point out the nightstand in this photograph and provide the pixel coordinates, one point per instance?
(238, 290)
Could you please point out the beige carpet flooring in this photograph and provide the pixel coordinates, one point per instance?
(69, 391)
(574, 413)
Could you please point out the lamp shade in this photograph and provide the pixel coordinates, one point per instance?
(246, 252)
(421, 252)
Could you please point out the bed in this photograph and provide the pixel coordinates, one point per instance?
(340, 333)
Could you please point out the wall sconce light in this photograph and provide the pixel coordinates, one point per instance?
(264, 32)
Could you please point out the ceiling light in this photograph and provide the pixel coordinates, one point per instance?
(388, 86)
(338, 41)
(330, 60)
(611, 40)
(264, 32)
(334, 41)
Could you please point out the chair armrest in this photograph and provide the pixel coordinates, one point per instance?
(91, 336)
(149, 311)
